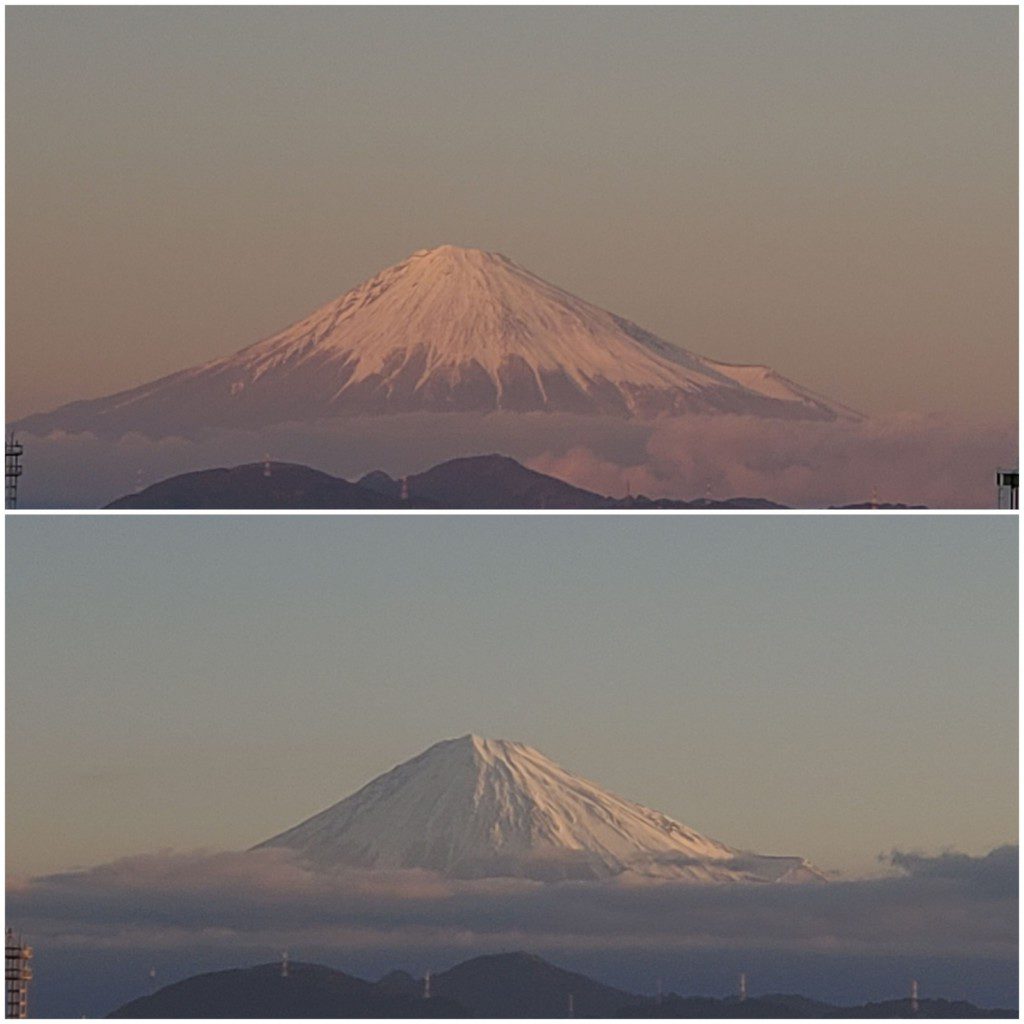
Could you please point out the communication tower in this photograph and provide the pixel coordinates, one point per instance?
(743, 986)
(13, 469)
(18, 975)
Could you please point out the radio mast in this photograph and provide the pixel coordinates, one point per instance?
(15, 450)
(18, 975)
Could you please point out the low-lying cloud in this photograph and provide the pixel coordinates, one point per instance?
(952, 905)
(909, 459)
(896, 459)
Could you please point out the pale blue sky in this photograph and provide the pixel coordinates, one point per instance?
(831, 688)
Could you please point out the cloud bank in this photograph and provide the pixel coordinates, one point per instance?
(908, 459)
(952, 904)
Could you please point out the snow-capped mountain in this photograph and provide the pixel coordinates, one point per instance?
(447, 329)
(479, 808)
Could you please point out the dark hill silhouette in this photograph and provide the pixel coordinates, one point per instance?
(782, 1006)
(496, 481)
(479, 481)
(256, 485)
(878, 507)
(309, 990)
(517, 985)
(934, 1009)
(401, 983)
(522, 985)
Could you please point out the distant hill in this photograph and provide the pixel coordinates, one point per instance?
(878, 507)
(475, 482)
(517, 985)
(523, 985)
(256, 485)
(782, 1006)
(309, 990)
(488, 481)
(642, 502)
(934, 1009)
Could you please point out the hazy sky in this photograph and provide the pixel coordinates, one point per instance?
(830, 191)
(830, 688)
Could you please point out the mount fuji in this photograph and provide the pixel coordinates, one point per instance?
(480, 808)
(446, 330)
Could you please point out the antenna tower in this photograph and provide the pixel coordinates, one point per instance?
(15, 450)
(284, 964)
(426, 985)
(743, 986)
(914, 1004)
(17, 975)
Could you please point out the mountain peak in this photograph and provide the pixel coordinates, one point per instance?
(448, 329)
(492, 751)
(458, 254)
(473, 807)
(482, 742)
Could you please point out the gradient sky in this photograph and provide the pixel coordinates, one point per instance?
(831, 688)
(830, 191)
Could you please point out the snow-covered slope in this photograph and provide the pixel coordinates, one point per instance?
(448, 329)
(478, 808)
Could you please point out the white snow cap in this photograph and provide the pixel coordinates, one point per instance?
(466, 310)
(474, 807)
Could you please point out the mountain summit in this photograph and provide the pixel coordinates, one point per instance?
(480, 808)
(446, 330)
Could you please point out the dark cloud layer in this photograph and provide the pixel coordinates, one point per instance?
(907, 459)
(951, 918)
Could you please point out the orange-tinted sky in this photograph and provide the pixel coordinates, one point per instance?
(830, 191)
